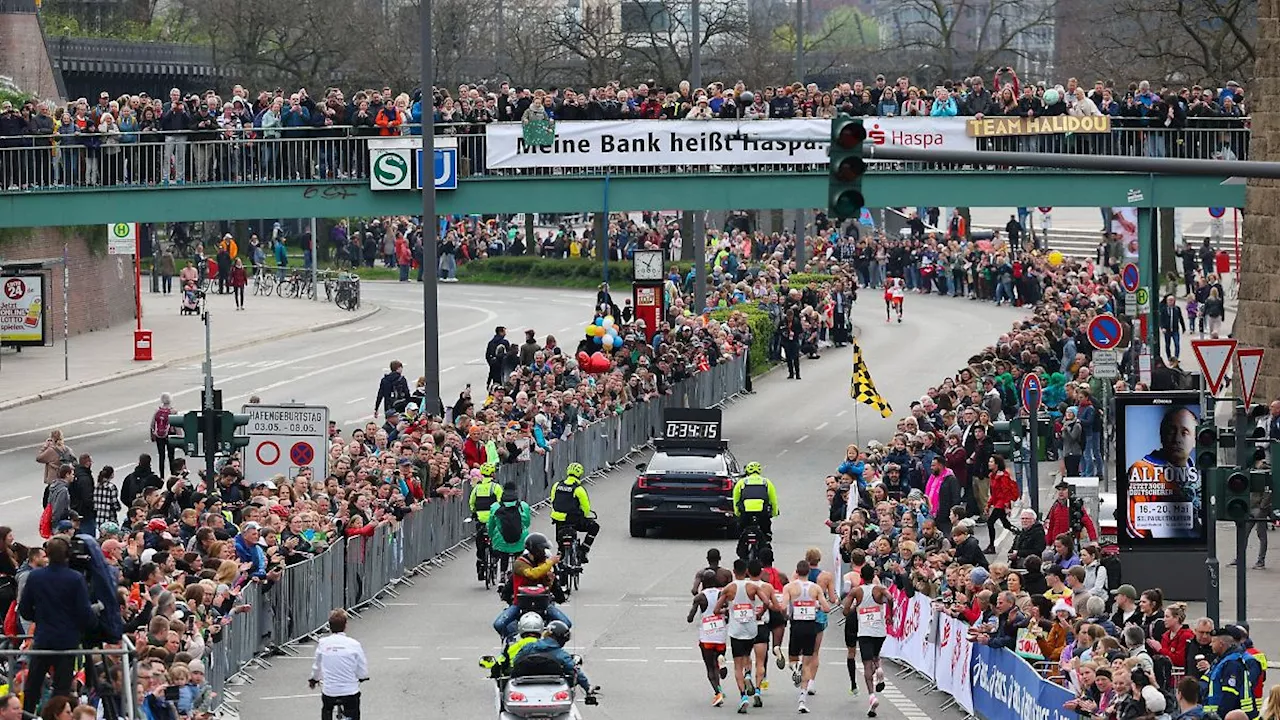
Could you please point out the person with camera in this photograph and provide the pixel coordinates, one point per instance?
(56, 599)
(1068, 515)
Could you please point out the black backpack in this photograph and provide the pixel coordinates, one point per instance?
(1163, 668)
(509, 522)
(1111, 561)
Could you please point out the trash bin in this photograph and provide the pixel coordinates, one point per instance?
(141, 345)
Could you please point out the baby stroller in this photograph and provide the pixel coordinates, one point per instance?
(191, 297)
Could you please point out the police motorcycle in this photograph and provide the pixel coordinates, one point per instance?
(537, 686)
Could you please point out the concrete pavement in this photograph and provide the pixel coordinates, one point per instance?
(629, 614)
(99, 357)
(338, 367)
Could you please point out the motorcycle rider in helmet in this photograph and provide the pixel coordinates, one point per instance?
(570, 507)
(755, 502)
(534, 567)
(530, 628)
(551, 648)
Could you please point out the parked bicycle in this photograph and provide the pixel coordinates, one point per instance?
(264, 282)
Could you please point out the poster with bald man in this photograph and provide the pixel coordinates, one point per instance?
(1160, 491)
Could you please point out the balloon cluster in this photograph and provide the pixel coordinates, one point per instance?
(605, 332)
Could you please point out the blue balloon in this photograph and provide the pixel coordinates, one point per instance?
(599, 321)
(599, 339)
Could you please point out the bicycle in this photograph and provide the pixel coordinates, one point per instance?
(347, 293)
(490, 559)
(569, 569)
(264, 282)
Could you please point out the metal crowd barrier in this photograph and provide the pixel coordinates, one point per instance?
(149, 158)
(356, 572)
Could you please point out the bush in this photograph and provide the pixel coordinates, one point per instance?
(799, 280)
(581, 272)
(762, 328)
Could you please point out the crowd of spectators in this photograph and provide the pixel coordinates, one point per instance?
(141, 140)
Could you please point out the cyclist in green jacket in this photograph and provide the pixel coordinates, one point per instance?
(509, 522)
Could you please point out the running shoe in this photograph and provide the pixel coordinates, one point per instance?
(879, 677)
(802, 708)
(853, 691)
(812, 687)
(751, 686)
(780, 656)
(874, 703)
(742, 705)
(795, 676)
(718, 700)
(764, 684)
(756, 700)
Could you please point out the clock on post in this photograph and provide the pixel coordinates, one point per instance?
(648, 276)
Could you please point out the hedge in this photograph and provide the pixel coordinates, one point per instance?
(762, 328)
(578, 272)
(799, 280)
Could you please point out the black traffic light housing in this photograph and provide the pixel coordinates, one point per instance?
(1206, 446)
(228, 441)
(1006, 437)
(189, 440)
(844, 185)
(1235, 494)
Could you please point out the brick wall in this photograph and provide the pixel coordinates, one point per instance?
(1258, 320)
(23, 55)
(101, 287)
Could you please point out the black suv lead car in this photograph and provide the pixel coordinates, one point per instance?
(689, 479)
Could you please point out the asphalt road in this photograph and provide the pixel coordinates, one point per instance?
(629, 614)
(339, 368)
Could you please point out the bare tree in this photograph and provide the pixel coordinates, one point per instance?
(525, 52)
(660, 35)
(1169, 40)
(960, 38)
(593, 34)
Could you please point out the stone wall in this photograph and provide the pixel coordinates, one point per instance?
(1258, 319)
(101, 288)
(23, 55)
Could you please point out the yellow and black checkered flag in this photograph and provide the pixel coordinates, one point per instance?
(862, 388)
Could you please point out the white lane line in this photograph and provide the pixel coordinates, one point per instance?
(565, 329)
(681, 661)
(405, 658)
(627, 660)
(619, 647)
(682, 647)
(81, 436)
(801, 439)
(822, 426)
(359, 399)
(599, 605)
(451, 367)
(401, 647)
(841, 413)
(443, 659)
(654, 605)
(10, 502)
(784, 452)
(400, 604)
(289, 697)
(345, 350)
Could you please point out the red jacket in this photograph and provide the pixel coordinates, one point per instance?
(474, 453)
(1004, 491)
(1060, 522)
(1174, 646)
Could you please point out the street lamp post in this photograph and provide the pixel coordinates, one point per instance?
(430, 272)
(699, 238)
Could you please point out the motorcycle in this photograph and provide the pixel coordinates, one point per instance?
(751, 542)
(548, 696)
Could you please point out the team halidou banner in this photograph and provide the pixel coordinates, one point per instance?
(678, 143)
(910, 636)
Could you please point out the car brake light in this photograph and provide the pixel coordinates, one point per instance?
(642, 482)
(561, 696)
(516, 697)
(726, 484)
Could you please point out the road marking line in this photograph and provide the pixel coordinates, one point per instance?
(599, 605)
(784, 452)
(681, 661)
(443, 659)
(841, 413)
(635, 660)
(620, 647)
(405, 658)
(682, 647)
(381, 340)
(401, 604)
(801, 439)
(82, 436)
(289, 697)
(401, 647)
(822, 426)
(359, 399)
(10, 502)
(654, 605)
(451, 367)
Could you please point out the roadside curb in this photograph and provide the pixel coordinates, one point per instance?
(134, 372)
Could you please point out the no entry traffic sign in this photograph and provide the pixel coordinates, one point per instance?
(1105, 331)
(301, 454)
(1129, 278)
(1032, 392)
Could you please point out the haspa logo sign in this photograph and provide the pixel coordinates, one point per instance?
(912, 136)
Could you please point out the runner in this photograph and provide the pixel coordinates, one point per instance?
(742, 598)
(805, 600)
(723, 575)
(768, 599)
(826, 582)
(875, 612)
(894, 293)
(777, 621)
(713, 632)
(852, 579)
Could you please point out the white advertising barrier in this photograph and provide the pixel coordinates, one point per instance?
(910, 638)
(955, 652)
(674, 143)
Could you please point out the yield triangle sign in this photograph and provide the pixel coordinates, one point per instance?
(1248, 363)
(1214, 357)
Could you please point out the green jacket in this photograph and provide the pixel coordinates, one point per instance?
(494, 527)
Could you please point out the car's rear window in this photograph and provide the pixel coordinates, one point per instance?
(663, 462)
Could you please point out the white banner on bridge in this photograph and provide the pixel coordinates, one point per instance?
(673, 143)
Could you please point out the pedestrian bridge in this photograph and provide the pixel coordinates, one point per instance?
(593, 167)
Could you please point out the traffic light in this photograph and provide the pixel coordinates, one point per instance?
(1235, 495)
(1006, 437)
(228, 423)
(189, 440)
(844, 185)
(1206, 446)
